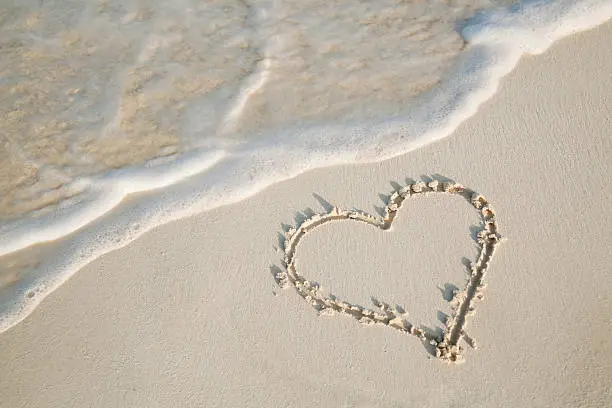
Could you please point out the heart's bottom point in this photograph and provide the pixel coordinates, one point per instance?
(449, 353)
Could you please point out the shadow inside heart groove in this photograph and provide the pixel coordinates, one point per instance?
(441, 342)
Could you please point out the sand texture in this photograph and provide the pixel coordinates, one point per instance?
(191, 314)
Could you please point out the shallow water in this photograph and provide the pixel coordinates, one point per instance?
(93, 86)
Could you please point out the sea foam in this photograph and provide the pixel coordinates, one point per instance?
(91, 221)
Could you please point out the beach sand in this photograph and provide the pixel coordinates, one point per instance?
(190, 314)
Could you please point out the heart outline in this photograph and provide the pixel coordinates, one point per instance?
(462, 303)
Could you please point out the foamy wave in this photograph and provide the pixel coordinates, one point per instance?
(206, 179)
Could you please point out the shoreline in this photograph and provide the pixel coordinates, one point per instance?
(130, 209)
(186, 314)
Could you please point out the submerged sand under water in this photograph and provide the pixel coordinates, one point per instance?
(93, 86)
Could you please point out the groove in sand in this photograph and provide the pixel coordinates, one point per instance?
(463, 302)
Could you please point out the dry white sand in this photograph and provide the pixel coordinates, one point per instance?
(187, 315)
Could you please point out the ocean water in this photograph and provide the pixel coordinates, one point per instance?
(199, 103)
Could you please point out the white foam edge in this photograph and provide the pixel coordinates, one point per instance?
(99, 196)
(205, 180)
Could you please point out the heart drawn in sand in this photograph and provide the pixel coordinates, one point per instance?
(463, 301)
